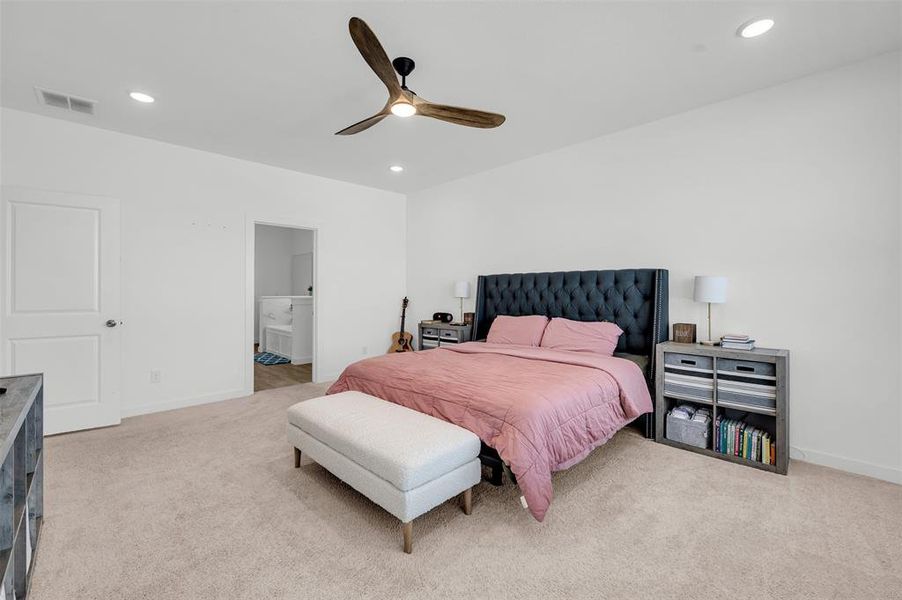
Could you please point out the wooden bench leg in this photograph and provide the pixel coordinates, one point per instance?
(297, 458)
(467, 501)
(407, 531)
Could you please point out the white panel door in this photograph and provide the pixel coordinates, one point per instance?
(301, 273)
(60, 303)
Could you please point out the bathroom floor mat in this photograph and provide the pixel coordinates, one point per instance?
(268, 359)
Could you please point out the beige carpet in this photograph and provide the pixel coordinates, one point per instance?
(205, 503)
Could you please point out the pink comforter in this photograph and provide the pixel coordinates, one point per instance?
(542, 410)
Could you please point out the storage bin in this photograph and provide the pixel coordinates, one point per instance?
(689, 377)
(688, 432)
(736, 395)
(689, 361)
(747, 368)
(746, 383)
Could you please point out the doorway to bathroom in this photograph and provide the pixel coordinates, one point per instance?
(283, 305)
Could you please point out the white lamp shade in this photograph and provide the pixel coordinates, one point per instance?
(709, 288)
(462, 289)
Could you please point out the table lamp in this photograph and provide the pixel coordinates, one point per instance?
(462, 290)
(713, 290)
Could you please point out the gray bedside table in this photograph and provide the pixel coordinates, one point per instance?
(749, 386)
(434, 335)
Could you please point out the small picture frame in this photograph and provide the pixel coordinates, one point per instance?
(684, 333)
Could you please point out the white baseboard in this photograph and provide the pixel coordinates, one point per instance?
(301, 360)
(326, 378)
(859, 467)
(154, 407)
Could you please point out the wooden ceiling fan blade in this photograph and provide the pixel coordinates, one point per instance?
(374, 55)
(364, 124)
(460, 116)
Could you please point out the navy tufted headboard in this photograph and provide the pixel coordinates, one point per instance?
(635, 299)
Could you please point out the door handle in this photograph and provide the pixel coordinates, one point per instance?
(111, 323)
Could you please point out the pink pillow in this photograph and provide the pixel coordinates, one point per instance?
(599, 337)
(522, 331)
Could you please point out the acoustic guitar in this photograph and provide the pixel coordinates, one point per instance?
(401, 341)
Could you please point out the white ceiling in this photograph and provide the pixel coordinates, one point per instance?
(272, 81)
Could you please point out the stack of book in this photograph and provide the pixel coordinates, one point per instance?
(736, 437)
(735, 341)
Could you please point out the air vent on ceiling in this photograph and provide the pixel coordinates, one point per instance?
(65, 101)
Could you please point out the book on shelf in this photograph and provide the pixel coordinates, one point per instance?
(749, 345)
(738, 438)
(736, 337)
(737, 341)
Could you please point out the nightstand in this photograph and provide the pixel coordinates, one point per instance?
(435, 335)
(746, 392)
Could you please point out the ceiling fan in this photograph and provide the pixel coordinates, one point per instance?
(402, 102)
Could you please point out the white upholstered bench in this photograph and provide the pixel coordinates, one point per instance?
(405, 461)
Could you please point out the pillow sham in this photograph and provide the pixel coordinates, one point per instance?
(599, 337)
(521, 331)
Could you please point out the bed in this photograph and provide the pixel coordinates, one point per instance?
(537, 410)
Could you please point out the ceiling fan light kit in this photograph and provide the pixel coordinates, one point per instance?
(403, 109)
(402, 102)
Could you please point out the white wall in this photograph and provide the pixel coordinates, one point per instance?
(274, 275)
(184, 227)
(302, 242)
(792, 192)
(274, 247)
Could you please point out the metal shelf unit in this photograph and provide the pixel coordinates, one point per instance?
(21, 481)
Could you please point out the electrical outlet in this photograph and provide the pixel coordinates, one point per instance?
(156, 376)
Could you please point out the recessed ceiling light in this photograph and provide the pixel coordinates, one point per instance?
(141, 97)
(403, 109)
(396, 168)
(755, 28)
